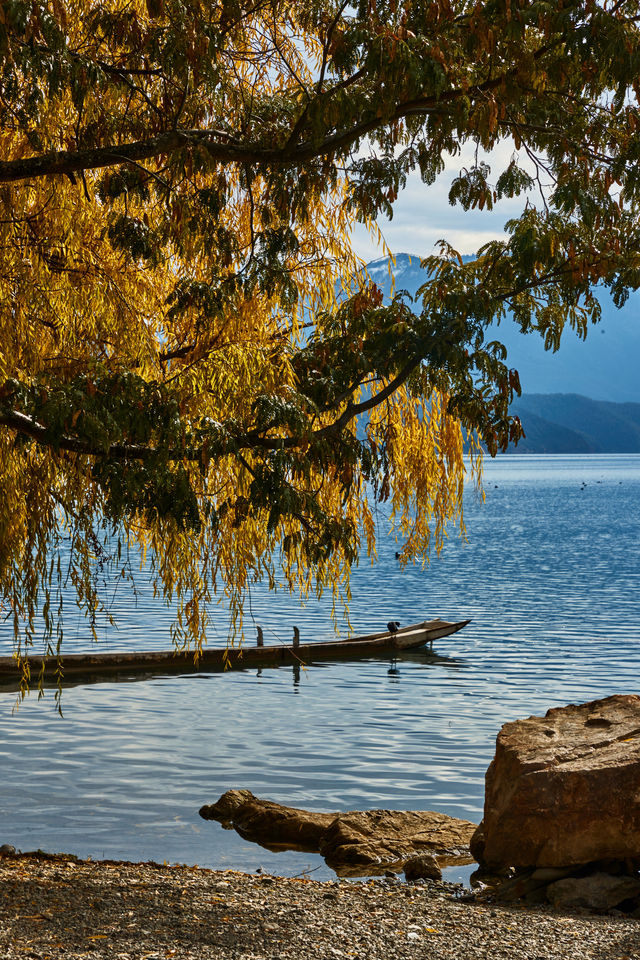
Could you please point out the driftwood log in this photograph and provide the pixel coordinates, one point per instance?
(355, 843)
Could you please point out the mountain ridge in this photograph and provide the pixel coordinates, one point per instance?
(603, 367)
(570, 423)
(585, 398)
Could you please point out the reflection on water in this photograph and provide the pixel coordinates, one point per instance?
(550, 575)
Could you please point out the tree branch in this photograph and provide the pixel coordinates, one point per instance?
(66, 162)
(226, 148)
(248, 441)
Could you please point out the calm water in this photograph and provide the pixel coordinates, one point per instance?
(551, 577)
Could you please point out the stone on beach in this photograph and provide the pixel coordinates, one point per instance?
(563, 789)
(352, 843)
(599, 891)
(423, 867)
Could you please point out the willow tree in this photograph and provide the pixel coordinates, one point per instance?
(192, 362)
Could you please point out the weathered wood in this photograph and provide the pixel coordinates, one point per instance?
(373, 644)
(354, 843)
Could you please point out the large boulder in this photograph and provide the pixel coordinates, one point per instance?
(355, 843)
(564, 789)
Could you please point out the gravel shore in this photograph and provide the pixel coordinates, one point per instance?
(62, 907)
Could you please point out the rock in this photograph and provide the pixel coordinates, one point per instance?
(549, 874)
(628, 868)
(476, 844)
(226, 805)
(364, 838)
(353, 843)
(563, 789)
(424, 867)
(520, 887)
(599, 891)
(529, 885)
(272, 825)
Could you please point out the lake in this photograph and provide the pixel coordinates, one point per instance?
(550, 574)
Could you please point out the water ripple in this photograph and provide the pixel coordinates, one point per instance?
(550, 575)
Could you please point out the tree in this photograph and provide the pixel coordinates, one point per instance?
(191, 358)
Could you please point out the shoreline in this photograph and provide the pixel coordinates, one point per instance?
(57, 905)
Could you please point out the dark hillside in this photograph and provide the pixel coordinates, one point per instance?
(603, 367)
(568, 423)
(583, 399)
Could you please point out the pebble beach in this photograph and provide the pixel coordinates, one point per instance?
(59, 906)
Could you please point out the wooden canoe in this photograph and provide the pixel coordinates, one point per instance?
(385, 643)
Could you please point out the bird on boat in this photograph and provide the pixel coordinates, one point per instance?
(260, 637)
(393, 626)
(296, 637)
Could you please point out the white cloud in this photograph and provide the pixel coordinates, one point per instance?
(423, 215)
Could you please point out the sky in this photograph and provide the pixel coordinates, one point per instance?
(603, 367)
(423, 214)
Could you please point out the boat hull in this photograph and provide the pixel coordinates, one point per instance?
(377, 644)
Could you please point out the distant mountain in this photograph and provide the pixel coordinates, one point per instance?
(605, 366)
(568, 423)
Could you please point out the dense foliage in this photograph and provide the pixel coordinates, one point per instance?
(177, 186)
